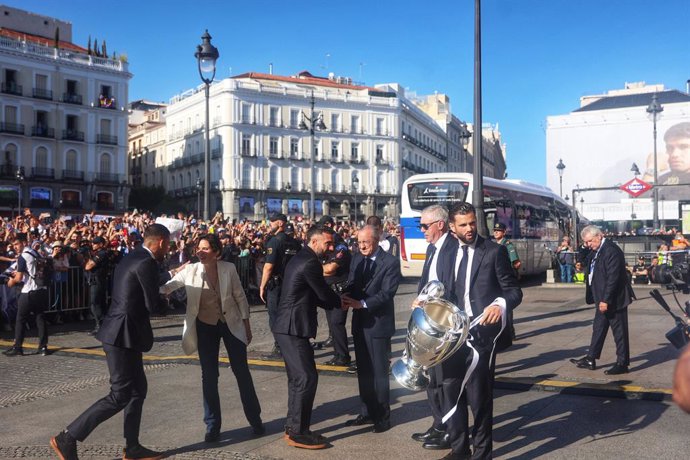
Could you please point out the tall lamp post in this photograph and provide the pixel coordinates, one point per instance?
(206, 56)
(355, 184)
(477, 173)
(560, 166)
(199, 186)
(654, 109)
(20, 180)
(314, 123)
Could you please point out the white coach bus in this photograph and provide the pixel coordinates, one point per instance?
(535, 217)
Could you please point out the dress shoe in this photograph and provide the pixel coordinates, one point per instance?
(139, 452)
(317, 345)
(617, 369)
(584, 363)
(212, 436)
(440, 443)
(328, 342)
(360, 420)
(306, 441)
(381, 427)
(259, 429)
(43, 351)
(428, 434)
(338, 361)
(65, 446)
(352, 369)
(14, 351)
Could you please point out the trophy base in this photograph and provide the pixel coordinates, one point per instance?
(414, 380)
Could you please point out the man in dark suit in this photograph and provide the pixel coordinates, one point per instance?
(485, 284)
(374, 278)
(295, 323)
(438, 266)
(608, 288)
(125, 333)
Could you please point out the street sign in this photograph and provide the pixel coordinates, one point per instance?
(635, 187)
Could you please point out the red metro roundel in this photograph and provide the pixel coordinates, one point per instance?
(635, 187)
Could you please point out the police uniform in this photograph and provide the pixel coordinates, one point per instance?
(275, 250)
(98, 280)
(338, 317)
(512, 253)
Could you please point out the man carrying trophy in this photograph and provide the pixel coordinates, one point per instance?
(438, 266)
(486, 285)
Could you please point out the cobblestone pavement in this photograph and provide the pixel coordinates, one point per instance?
(95, 452)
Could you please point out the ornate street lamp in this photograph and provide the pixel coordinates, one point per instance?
(355, 184)
(20, 179)
(560, 166)
(654, 109)
(206, 56)
(635, 170)
(314, 123)
(199, 187)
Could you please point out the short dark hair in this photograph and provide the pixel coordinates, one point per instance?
(316, 230)
(677, 130)
(212, 240)
(156, 232)
(460, 209)
(374, 220)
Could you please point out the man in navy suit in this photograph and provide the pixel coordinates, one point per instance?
(295, 323)
(374, 278)
(608, 288)
(126, 334)
(485, 284)
(438, 265)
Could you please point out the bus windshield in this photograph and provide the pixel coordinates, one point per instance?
(423, 194)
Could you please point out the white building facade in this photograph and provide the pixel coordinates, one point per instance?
(63, 124)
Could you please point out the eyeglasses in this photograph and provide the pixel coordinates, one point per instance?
(426, 226)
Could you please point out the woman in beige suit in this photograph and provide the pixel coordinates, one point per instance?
(217, 309)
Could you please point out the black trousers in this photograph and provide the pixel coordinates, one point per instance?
(34, 302)
(302, 381)
(337, 318)
(478, 395)
(434, 394)
(208, 338)
(618, 321)
(373, 362)
(128, 389)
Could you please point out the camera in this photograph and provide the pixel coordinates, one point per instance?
(675, 276)
(679, 336)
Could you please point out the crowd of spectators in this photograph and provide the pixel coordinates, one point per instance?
(85, 249)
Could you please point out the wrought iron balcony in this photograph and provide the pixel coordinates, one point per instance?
(72, 98)
(106, 139)
(72, 174)
(12, 128)
(42, 131)
(46, 173)
(216, 153)
(108, 177)
(10, 87)
(72, 135)
(41, 93)
(8, 171)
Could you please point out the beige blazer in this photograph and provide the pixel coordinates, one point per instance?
(233, 301)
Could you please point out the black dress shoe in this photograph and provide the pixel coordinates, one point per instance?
(65, 446)
(338, 361)
(352, 369)
(212, 436)
(140, 452)
(306, 441)
(14, 351)
(617, 369)
(328, 342)
(360, 420)
(585, 363)
(381, 427)
(428, 434)
(43, 351)
(440, 443)
(259, 429)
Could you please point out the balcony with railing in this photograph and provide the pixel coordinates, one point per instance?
(42, 131)
(70, 204)
(216, 153)
(72, 135)
(42, 173)
(72, 98)
(42, 93)
(106, 102)
(8, 171)
(11, 128)
(109, 178)
(11, 87)
(106, 139)
(197, 158)
(73, 175)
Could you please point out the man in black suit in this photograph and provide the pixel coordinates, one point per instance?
(608, 288)
(438, 265)
(125, 333)
(295, 323)
(485, 284)
(374, 278)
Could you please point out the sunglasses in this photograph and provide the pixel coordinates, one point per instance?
(426, 226)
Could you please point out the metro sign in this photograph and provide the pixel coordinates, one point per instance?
(635, 187)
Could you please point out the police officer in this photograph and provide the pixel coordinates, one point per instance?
(272, 275)
(336, 267)
(500, 236)
(32, 299)
(97, 268)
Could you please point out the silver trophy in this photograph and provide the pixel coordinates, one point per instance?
(435, 331)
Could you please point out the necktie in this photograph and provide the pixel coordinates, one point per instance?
(427, 265)
(368, 269)
(462, 274)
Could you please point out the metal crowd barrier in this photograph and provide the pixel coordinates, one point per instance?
(73, 293)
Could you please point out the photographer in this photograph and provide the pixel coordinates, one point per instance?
(97, 268)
